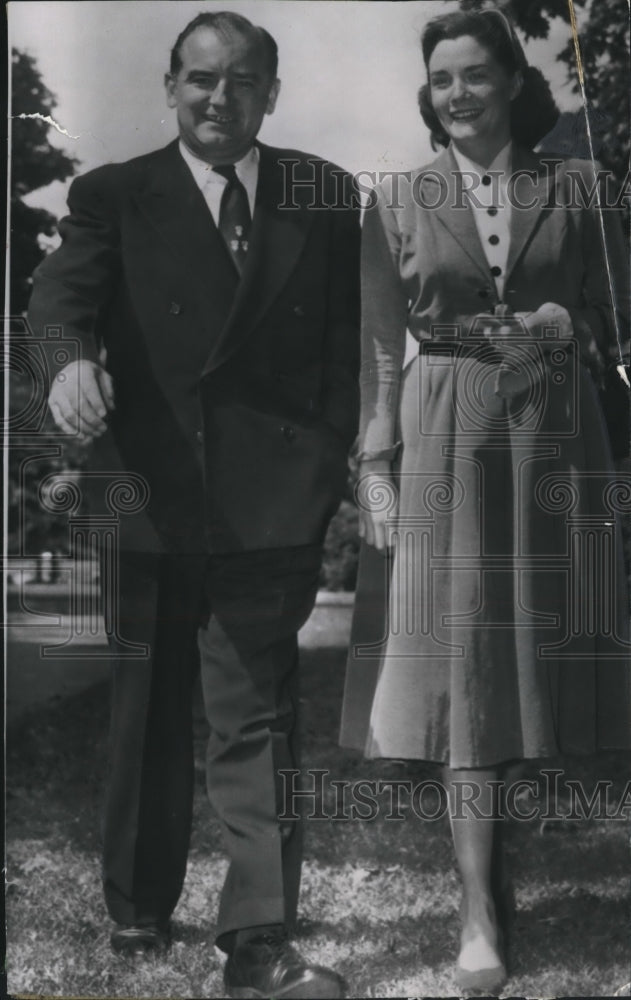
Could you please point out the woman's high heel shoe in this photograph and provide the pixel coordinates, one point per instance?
(487, 982)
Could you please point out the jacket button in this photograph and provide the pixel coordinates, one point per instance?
(200, 437)
(289, 433)
(175, 309)
(298, 311)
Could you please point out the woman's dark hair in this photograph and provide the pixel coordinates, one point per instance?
(533, 112)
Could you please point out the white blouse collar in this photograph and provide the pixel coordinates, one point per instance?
(500, 165)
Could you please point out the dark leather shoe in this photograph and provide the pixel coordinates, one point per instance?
(267, 966)
(133, 941)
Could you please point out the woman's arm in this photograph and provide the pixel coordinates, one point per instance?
(384, 320)
(600, 323)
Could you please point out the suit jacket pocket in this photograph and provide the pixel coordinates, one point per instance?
(270, 482)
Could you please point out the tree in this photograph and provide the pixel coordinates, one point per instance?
(32, 455)
(606, 65)
(532, 17)
(34, 164)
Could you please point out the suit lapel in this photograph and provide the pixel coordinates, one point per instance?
(531, 190)
(172, 202)
(276, 241)
(439, 189)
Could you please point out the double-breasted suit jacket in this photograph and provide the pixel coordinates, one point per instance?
(236, 399)
(481, 652)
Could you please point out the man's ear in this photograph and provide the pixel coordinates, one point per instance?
(169, 86)
(272, 97)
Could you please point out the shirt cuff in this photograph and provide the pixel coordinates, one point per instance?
(380, 454)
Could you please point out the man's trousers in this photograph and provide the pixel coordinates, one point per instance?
(254, 605)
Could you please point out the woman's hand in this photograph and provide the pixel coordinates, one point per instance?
(548, 325)
(378, 501)
(518, 371)
(556, 318)
(503, 330)
(549, 316)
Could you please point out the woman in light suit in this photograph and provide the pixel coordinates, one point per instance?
(485, 470)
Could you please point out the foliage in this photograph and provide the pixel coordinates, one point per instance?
(341, 550)
(606, 66)
(532, 17)
(35, 163)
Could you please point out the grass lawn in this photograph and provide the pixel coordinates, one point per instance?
(379, 898)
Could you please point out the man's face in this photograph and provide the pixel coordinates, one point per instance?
(221, 93)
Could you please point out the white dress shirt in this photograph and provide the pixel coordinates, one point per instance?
(212, 184)
(488, 191)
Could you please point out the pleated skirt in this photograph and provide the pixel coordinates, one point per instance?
(497, 627)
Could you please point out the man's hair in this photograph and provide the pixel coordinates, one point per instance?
(226, 25)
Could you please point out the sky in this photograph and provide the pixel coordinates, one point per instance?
(350, 70)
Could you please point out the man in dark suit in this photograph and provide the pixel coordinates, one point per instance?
(219, 278)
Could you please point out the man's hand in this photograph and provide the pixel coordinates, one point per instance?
(80, 399)
(378, 502)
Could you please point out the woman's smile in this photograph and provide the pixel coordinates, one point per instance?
(467, 115)
(471, 94)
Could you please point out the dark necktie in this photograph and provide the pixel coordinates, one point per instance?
(234, 215)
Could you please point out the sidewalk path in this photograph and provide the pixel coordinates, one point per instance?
(47, 660)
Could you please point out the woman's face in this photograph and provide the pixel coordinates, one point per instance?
(471, 93)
